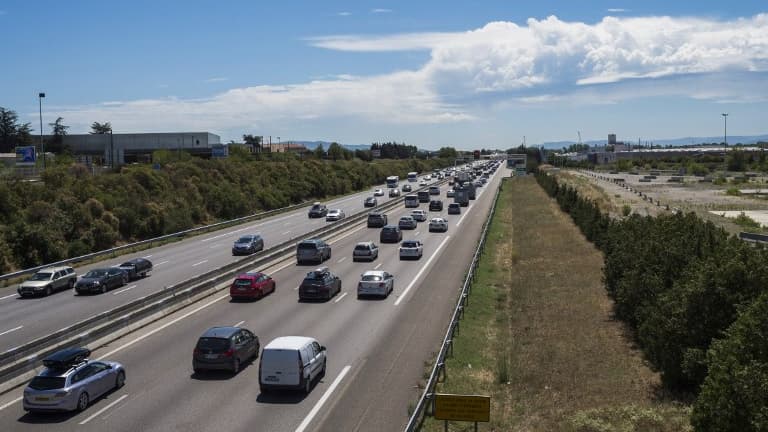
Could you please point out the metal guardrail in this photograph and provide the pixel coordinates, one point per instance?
(18, 360)
(438, 370)
(156, 239)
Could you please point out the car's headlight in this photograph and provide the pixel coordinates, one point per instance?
(96, 283)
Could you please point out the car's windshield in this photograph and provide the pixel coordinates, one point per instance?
(95, 274)
(41, 276)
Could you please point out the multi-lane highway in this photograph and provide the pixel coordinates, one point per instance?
(376, 348)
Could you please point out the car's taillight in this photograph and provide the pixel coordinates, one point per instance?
(61, 394)
(196, 351)
(228, 353)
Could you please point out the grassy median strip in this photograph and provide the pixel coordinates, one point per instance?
(538, 334)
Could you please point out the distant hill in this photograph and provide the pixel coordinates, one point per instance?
(311, 145)
(674, 142)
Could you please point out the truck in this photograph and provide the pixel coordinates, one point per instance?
(423, 196)
(461, 196)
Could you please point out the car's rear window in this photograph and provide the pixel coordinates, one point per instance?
(361, 247)
(213, 344)
(47, 383)
(95, 273)
(244, 239)
(409, 244)
(307, 246)
(372, 278)
(390, 229)
(242, 282)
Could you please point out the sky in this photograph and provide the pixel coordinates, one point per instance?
(466, 74)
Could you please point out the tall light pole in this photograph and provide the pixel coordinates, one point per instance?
(725, 130)
(40, 97)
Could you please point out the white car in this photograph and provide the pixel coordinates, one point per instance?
(419, 215)
(375, 282)
(334, 215)
(423, 183)
(438, 225)
(450, 193)
(411, 249)
(378, 192)
(427, 177)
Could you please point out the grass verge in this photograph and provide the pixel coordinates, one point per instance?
(538, 335)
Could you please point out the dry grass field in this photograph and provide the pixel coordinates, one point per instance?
(539, 337)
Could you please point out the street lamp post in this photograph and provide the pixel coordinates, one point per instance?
(725, 130)
(40, 97)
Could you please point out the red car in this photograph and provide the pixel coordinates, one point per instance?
(251, 286)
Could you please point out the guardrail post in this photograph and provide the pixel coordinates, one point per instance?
(449, 342)
(442, 372)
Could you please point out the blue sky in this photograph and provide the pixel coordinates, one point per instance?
(430, 73)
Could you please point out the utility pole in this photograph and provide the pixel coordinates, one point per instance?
(725, 130)
(40, 97)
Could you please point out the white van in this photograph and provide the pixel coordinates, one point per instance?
(291, 362)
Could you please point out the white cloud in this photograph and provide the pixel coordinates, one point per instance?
(344, 13)
(216, 79)
(399, 42)
(381, 10)
(617, 10)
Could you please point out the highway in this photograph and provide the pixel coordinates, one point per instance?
(376, 348)
(25, 319)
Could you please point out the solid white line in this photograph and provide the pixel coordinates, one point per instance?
(287, 232)
(322, 400)
(201, 262)
(340, 297)
(12, 330)
(238, 324)
(148, 256)
(377, 266)
(224, 235)
(124, 290)
(342, 259)
(161, 263)
(279, 268)
(13, 402)
(99, 412)
(142, 337)
(213, 246)
(417, 233)
(286, 224)
(9, 296)
(413, 282)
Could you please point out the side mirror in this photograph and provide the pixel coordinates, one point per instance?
(322, 347)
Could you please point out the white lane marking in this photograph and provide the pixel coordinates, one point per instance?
(215, 245)
(124, 290)
(9, 296)
(161, 263)
(279, 268)
(238, 324)
(336, 240)
(342, 259)
(13, 402)
(377, 266)
(463, 216)
(323, 399)
(162, 327)
(224, 235)
(340, 297)
(297, 287)
(148, 256)
(418, 275)
(286, 224)
(417, 233)
(12, 330)
(201, 262)
(287, 232)
(101, 411)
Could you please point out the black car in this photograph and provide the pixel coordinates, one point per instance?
(370, 202)
(224, 348)
(407, 188)
(454, 208)
(248, 244)
(318, 210)
(319, 284)
(101, 280)
(390, 234)
(376, 219)
(137, 267)
(435, 205)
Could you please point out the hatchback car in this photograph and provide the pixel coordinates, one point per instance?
(394, 193)
(375, 282)
(390, 234)
(70, 382)
(318, 210)
(248, 244)
(419, 215)
(371, 201)
(251, 285)
(407, 188)
(101, 280)
(312, 250)
(434, 190)
(365, 251)
(454, 208)
(411, 249)
(378, 192)
(137, 268)
(335, 215)
(48, 280)
(450, 193)
(438, 225)
(224, 348)
(435, 205)
(319, 284)
(407, 222)
(376, 219)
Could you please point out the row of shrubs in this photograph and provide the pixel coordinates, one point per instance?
(72, 212)
(697, 301)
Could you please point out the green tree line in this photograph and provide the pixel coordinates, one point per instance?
(71, 212)
(696, 300)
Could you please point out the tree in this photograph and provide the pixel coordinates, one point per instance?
(13, 133)
(58, 130)
(319, 151)
(447, 153)
(254, 141)
(101, 128)
(335, 151)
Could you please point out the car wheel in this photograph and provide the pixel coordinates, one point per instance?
(307, 385)
(322, 372)
(120, 380)
(197, 371)
(104, 288)
(71, 284)
(236, 366)
(82, 401)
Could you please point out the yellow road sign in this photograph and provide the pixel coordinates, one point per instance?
(472, 408)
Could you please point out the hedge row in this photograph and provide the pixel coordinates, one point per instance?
(696, 299)
(71, 212)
